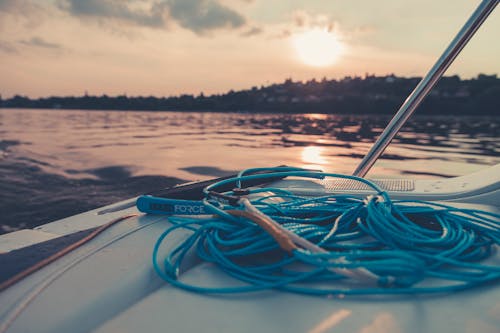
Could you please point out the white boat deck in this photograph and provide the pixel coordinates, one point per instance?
(109, 285)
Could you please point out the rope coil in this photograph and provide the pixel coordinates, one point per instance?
(334, 244)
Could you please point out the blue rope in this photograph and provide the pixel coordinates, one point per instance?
(412, 247)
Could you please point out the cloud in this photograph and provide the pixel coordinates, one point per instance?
(31, 13)
(283, 34)
(118, 10)
(299, 21)
(39, 42)
(7, 47)
(16, 6)
(303, 19)
(202, 15)
(199, 16)
(252, 32)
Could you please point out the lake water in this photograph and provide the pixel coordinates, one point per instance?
(55, 163)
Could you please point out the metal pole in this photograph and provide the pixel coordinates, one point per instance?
(425, 85)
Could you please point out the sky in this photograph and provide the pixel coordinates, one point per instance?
(173, 47)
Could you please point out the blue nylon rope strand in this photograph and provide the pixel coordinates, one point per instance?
(415, 247)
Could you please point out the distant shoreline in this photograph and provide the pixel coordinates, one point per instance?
(418, 114)
(351, 95)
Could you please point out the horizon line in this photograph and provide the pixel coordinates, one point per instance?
(260, 86)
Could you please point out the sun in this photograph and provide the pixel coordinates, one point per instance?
(317, 47)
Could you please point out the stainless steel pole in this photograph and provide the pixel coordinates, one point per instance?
(425, 85)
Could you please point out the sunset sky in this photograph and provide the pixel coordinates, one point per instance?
(170, 47)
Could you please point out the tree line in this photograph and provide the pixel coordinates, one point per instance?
(354, 95)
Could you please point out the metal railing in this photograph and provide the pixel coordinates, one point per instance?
(425, 85)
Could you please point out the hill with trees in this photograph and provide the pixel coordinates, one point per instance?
(354, 95)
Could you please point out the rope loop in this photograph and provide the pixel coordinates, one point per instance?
(333, 244)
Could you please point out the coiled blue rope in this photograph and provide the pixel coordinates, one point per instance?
(411, 247)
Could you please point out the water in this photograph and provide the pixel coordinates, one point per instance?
(56, 163)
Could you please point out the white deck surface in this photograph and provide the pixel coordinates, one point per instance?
(109, 285)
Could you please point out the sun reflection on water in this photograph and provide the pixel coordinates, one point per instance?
(313, 156)
(316, 116)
